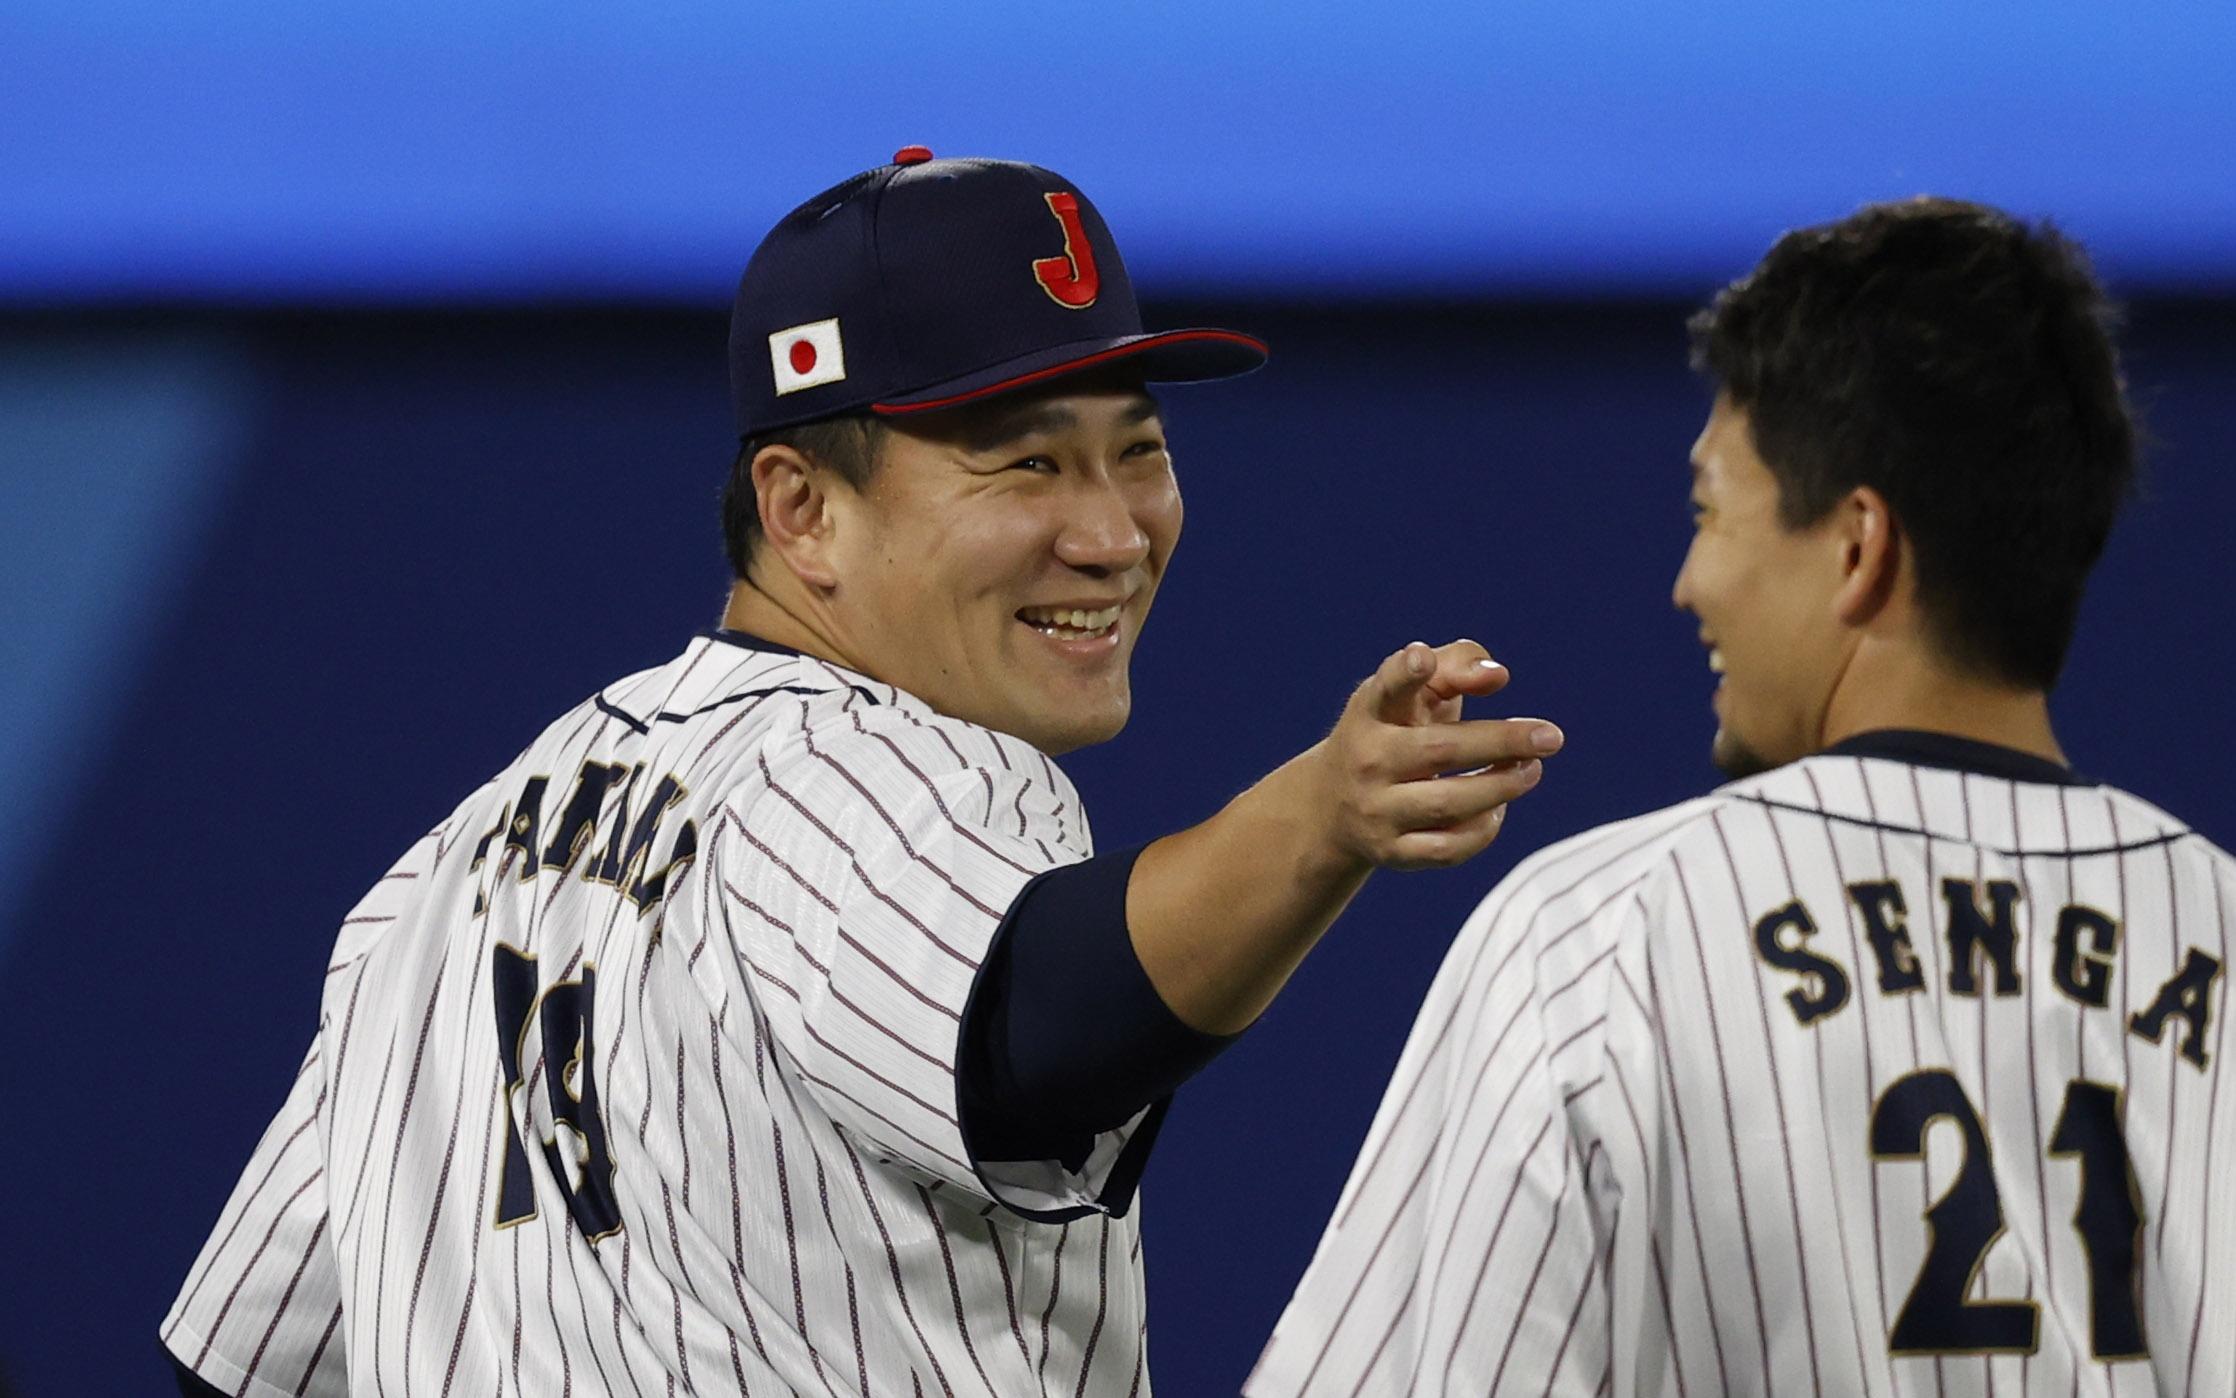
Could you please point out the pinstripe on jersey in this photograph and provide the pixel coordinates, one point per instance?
(1630, 1145)
(771, 956)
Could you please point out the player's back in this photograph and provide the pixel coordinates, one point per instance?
(576, 1118)
(1941, 1065)
(474, 989)
(1896, 1070)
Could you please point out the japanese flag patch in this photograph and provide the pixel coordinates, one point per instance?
(807, 356)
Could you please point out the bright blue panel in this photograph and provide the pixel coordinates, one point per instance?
(509, 149)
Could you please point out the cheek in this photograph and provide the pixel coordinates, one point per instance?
(984, 551)
(1710, 581)
(1159, 512)
(892, 524)
(1753, 588)
(1800, 582)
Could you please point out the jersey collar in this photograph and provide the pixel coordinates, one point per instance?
(1923, 749)
(746, 640)
(841, 677)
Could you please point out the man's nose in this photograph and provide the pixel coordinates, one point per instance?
(1100, 533)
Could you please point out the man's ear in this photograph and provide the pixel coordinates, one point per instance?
(1872, 549)
(793, 495)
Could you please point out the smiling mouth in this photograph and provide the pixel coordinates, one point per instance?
(1715, 662)
(1071, 623)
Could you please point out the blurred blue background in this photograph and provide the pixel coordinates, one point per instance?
(525, 148)
(334, 340)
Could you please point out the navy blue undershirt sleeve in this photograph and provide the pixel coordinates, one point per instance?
(1064, 1036)
(191, 1384)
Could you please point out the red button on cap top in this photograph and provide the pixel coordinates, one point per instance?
(912, 155)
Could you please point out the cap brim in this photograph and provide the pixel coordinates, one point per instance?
(1169, 356)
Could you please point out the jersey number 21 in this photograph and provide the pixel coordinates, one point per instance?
(1939, 1317)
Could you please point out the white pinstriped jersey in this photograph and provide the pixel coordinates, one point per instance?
(637, 1076)
(1857, 1077)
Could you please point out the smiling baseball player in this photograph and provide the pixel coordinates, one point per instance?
(770, 1024)
(1897, 1065)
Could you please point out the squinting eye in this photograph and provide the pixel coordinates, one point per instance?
(1033, 463)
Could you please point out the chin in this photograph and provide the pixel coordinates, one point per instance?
(1735, 759)
(1081, 722)
(1081, 731)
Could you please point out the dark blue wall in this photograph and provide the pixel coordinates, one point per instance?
(435, 532)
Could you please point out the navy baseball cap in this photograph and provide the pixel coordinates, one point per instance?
(926, 283)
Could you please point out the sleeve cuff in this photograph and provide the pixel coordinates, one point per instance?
(1065, 1042)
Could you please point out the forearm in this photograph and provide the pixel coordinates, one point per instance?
(1114, 980)
(1222, 913)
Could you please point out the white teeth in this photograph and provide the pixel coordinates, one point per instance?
(1715, 662)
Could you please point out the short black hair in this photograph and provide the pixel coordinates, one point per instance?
(849, 444)
(1960, 362)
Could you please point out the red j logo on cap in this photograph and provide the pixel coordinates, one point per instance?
(1070, 280)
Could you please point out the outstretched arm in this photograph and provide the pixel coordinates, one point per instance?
(1119, 978)
(1222, 913)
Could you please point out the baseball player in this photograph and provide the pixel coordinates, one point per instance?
(1898, 1065)
(771, 1025)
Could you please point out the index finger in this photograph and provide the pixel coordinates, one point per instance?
(1463, 667)
(1392, 692)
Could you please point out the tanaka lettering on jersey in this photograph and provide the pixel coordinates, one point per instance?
(633, 829)
(1980, 933)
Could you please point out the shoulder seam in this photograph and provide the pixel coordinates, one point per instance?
(1895, 828)
(644, 725)
(1645, 855)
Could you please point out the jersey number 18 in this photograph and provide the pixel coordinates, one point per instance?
(562, 1016)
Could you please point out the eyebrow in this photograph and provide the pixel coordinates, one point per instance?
(1004, 428)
